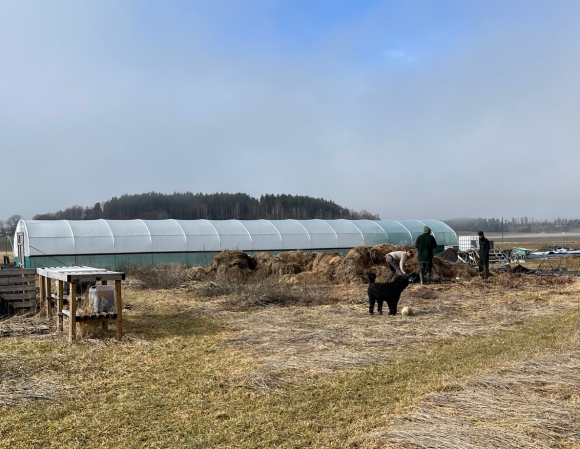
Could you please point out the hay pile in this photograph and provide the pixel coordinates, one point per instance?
(231, 264)
(300, 267)
(289, 263)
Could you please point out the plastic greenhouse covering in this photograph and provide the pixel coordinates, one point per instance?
(115, 237)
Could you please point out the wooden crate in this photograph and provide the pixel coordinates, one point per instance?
(18, 287)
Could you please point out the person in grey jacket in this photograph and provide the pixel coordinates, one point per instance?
(396, 262)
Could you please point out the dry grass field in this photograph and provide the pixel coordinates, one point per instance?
(5, 246)
(291, 362)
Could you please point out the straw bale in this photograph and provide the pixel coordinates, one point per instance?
(280, 268)
(230, 264)
(262, 263)
(262, 258)
(325, 264)
(442, 269)
(355, 265)
(361, 255)
(292, 262)
(463, 271)
(298, 258)
(197, 273)
(305, 277)
(323, 260)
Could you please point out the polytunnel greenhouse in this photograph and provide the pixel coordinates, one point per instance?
(115, 244)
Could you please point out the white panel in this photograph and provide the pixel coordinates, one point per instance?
(49, 237)
(166, 236)
(373, 234)
(130, 236)
(294, 235)
(397, 234)
(321, 234)
(442, 232)
(92, 237)
(264, 235)
(200, 235)
(232, 235)
(415, 227)
(349, 236)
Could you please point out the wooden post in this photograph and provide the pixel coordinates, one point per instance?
(48, 297)
(41, 286)
(72, 308)
(59, 319)
(105, 323)
(119, 307)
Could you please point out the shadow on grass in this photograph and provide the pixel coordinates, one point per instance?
(159, 326)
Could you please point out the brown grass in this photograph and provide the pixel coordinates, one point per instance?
(340, 335)
(25, 324)
(529, 404)
(294, 360)
(536, 245)
(158, 276)
(567, 263)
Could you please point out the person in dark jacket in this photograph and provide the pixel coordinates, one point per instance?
(425, 245)
(483, 255)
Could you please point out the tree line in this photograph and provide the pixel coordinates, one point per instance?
(214, 206)
(8, 226)
(521, 224)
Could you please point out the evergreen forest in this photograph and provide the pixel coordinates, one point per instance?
(214, 206)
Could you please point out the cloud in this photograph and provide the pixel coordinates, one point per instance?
(460, 115)
(399, 56)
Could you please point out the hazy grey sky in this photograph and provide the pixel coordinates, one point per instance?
(422, 109)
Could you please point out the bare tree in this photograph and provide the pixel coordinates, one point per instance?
(12, 222)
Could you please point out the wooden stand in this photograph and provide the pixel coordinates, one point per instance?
(74, 275)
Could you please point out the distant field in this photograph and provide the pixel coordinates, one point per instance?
(5, 246)
(519, 237)
(539, 241)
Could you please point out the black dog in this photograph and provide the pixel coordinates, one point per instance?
(386, 291)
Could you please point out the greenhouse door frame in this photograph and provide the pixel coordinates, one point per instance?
(20, 248)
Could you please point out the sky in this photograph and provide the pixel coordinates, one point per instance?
(407, 109)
